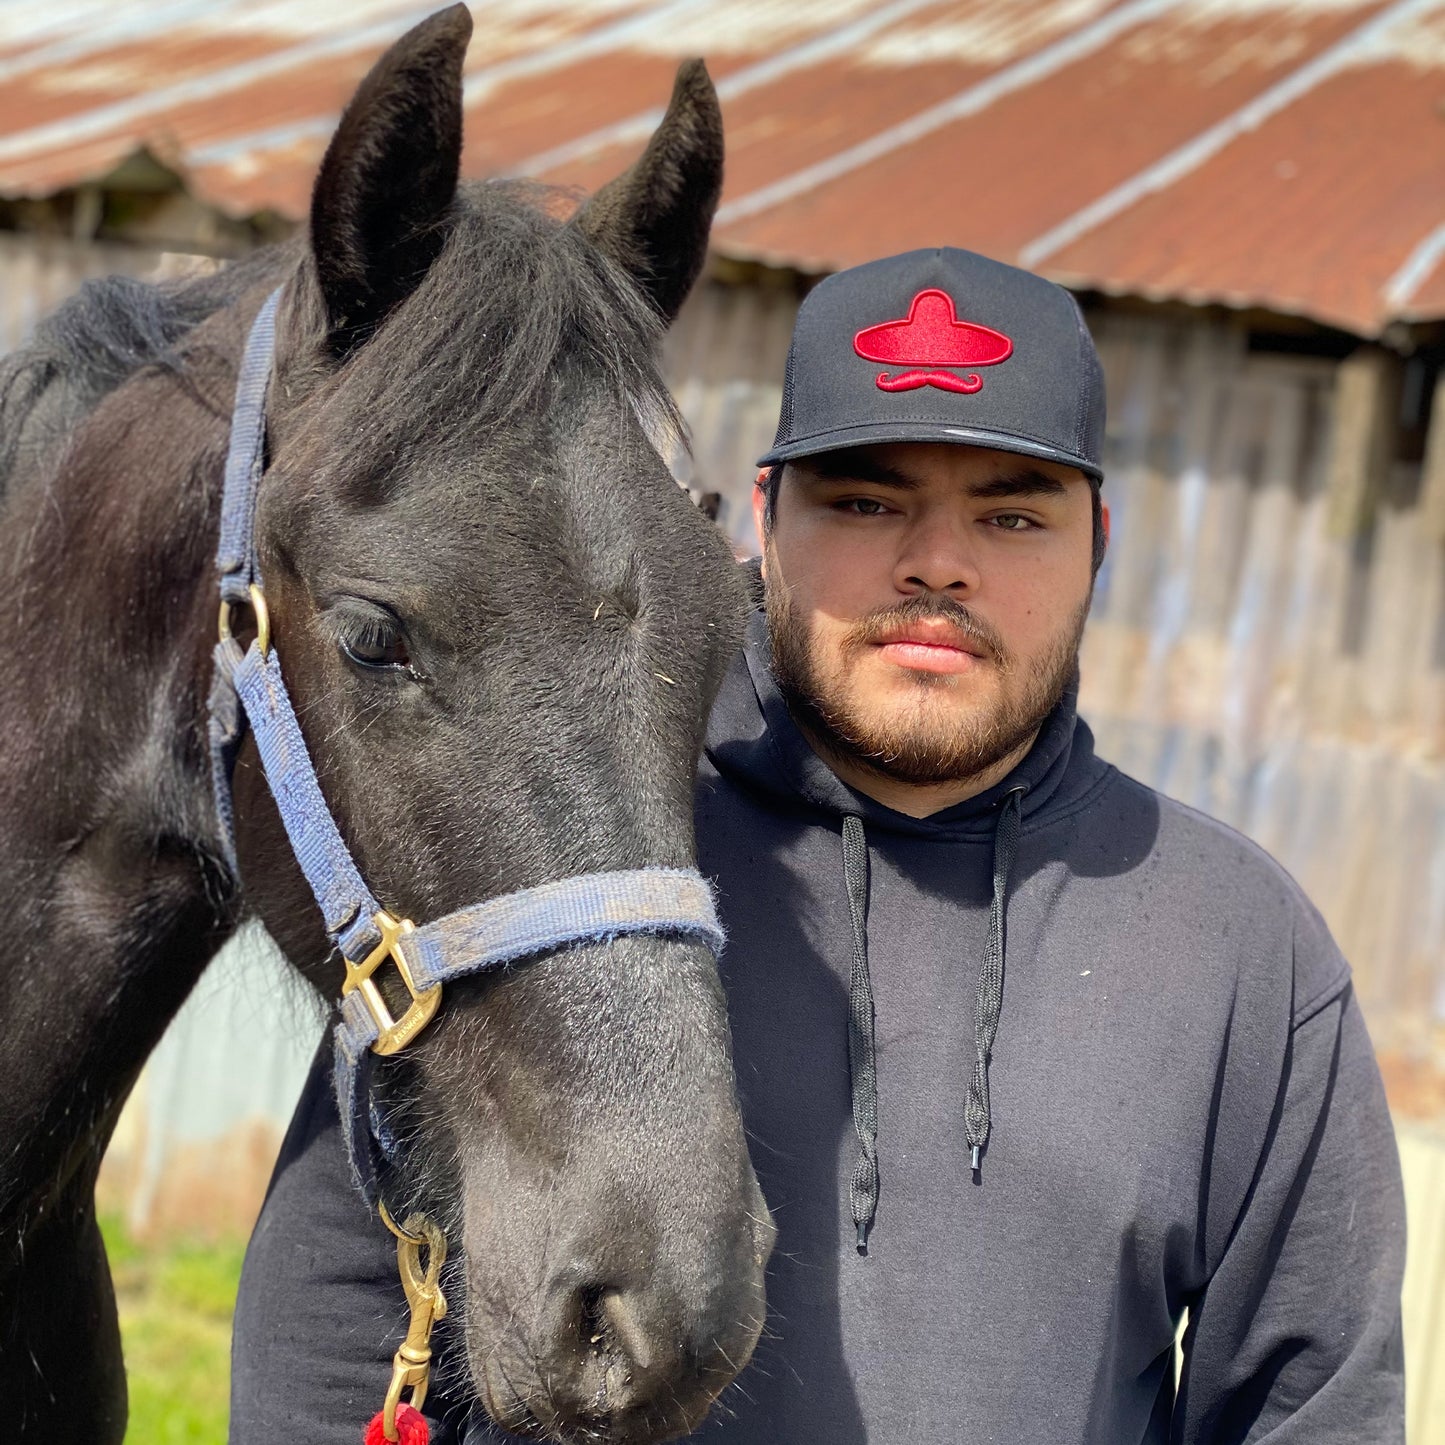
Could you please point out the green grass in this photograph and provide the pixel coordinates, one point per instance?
(176, 1298)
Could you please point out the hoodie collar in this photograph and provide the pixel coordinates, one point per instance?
(753, 739)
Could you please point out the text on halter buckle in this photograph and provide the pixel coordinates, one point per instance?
(392, 1034)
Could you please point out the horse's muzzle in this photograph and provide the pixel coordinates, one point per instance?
(627, 1357)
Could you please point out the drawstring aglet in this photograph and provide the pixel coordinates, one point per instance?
(974, 1165)
(862, 1237)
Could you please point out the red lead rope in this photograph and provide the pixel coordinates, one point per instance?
(411, 1428)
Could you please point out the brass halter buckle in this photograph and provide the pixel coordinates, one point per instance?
(411, 1365)
(392, 1035)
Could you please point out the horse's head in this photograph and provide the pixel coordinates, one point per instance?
(503, 624)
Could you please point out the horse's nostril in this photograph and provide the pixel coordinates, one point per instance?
(628, 1348)
(625, 1358)
(590, 1319)
(631, 1342)
(619, 1310)
(609, 1325)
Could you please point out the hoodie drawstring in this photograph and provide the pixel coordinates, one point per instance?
(990, 979)
(862, 1061)
(861, 1065)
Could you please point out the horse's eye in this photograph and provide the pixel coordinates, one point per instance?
(377, 648)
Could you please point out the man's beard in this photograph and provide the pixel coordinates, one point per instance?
(918, 742)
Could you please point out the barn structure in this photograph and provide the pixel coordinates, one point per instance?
(1248, 197)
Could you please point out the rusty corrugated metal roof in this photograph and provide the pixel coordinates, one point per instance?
(1282, 153)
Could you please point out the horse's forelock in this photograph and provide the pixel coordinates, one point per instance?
(514, 294)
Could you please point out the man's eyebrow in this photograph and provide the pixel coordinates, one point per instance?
(1030, 483)
(840, 467)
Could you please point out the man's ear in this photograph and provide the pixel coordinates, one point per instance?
(383, 198)
(760, 515)
(654, 219)
(1104, 519)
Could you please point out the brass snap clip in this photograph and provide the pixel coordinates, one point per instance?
(392, 1035)
(411, 1365)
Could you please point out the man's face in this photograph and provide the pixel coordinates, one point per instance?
(925, 602)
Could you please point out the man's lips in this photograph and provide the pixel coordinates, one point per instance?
(930, 648)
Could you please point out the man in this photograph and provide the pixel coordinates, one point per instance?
(1033, 1060)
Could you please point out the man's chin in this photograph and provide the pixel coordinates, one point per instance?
(922, 753)
(888, 699)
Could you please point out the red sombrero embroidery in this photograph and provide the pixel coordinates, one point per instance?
(932, 337)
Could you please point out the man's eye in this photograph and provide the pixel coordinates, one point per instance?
(377, 648)
(863, 506)
(1013, 522)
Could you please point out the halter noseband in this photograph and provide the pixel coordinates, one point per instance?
(589, 908)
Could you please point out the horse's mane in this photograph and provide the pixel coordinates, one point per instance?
(515, 287)
(110, 329)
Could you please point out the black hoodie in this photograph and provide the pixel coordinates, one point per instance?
(1184, 1112)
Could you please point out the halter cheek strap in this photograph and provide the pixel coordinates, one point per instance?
(249, 689)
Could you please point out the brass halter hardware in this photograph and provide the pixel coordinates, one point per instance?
(263, 619)
(411, 1365)
(392, 1035)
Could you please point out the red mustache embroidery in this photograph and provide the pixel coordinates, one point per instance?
(943, 380)
(932, 337)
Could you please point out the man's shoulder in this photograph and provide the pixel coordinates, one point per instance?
(1224, 889)
(1187, 837)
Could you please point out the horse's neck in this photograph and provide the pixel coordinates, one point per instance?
(106, 826)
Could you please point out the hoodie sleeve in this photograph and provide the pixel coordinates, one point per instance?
(1297, 1337)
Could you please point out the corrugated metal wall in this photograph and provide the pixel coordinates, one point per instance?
(1251, 656)
(1246, 654)
(725, 357)
(197, 1141)
(37, 273)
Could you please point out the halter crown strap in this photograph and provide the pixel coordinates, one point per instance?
(593, 908)
(246, 457)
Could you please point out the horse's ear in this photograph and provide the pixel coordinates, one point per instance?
(380, 209)
(655, 218)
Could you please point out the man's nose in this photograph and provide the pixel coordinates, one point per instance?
(938, 554)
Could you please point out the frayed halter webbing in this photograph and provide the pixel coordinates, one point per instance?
(592, 908)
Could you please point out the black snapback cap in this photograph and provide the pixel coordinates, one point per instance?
(942, 346)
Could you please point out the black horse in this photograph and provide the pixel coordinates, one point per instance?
(503, 624)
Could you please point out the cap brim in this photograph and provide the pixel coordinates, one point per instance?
(874, 433)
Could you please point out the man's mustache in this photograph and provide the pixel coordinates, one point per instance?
(877, 625)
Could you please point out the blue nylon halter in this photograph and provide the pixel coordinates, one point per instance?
(248, 687)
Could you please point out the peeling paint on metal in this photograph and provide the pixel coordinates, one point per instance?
(750, 27)
(1074, 135)
(994, 34)
(968, 102)
(123, 114)
(1400, 289)
(766, 72)
(1179, 163)
(631, 32)
(555, 51)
